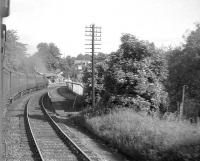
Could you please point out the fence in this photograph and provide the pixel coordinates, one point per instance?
(17, 83)
(75, 87)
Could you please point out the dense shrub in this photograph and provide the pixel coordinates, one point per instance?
(100, 92)
(132, 76)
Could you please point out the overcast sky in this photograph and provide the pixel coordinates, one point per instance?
(63, 21)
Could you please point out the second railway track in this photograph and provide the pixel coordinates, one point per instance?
(51, 143)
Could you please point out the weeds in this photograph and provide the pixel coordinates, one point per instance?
(147, 138)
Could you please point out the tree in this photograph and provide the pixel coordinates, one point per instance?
(184, 69)
(49, 55)
(100, 69)
(101, 57)
(132, 76)
(83, 57)
(15, 52)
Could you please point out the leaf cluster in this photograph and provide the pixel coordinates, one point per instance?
(132, 76)
(15, 53)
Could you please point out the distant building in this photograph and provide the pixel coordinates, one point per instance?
(54, 77)
(81, 64)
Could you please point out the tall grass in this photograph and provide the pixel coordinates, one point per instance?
(146, 138)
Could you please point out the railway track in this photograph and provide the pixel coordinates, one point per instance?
(17, 145)
(50, 142)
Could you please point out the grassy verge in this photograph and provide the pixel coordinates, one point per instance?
(147, 138)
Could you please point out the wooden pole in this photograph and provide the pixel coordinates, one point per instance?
(182, 103)
(93, 84)
(94, 33)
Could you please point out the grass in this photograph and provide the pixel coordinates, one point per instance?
(147, 138)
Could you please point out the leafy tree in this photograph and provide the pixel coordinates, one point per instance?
(15, 52)
(48, 54)
(100, 57)
(70, 61)
(132, 76)
(184, 69)
(65, 68)
(99, 71)
(83, 57)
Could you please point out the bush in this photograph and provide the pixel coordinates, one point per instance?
(131, 77)
(147, 138)
(136, 103)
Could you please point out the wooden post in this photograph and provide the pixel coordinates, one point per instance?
(93, 85)
(182, 103)
(94, 33)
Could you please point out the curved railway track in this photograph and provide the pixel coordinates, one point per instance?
(50, 142)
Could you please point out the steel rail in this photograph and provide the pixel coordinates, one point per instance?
(31, 132)
(60, 132)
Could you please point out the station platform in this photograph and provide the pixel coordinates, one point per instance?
(56, 97)
(61, 104)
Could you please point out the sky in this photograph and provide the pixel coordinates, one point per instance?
(63, 22)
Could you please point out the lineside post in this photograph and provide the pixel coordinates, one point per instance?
(95, 35)
(93, 85)
(182, 103)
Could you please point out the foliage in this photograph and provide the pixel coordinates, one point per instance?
(147, 138)
(184, 69)
(101, 57)
(132, 76)
(15, 52)
(68, 67)
(83, 57)
(99, 71)
(131, 72)
(47, 54)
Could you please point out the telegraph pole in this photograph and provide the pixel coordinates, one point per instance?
(94, 34)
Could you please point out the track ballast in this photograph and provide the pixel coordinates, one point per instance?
(51, 143)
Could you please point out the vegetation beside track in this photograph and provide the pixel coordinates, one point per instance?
(146, 138)
(141, 77)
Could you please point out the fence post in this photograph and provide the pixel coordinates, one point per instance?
(26, 81)
(10, 83)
